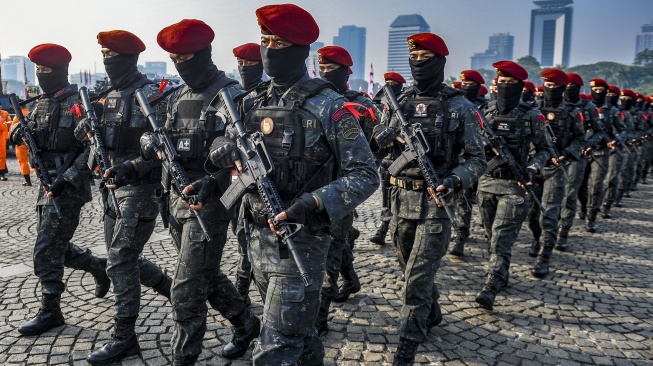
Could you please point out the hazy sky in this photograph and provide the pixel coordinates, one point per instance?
(603, 30)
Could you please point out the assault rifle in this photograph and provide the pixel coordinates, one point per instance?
(98, 151)
(34, 152)
(171, 165)
(498, 145)
(257, 169)
(416, 148)
(551, 138)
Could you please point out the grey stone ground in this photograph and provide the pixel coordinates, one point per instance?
(595, 308)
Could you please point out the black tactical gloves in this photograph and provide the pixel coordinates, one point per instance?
(223, 152)
(301, 208)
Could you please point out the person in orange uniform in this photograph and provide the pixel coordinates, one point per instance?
(22, 155)
(4, 128)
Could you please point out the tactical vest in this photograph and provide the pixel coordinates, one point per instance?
(297, 167)
(560, 121)
(587, 118)
(515, 129)
(54, 126)
(192, 128)
(123, 122)
(439, 123)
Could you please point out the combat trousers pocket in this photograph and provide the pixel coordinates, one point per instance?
(515, 207)
(431, 240)
(290, 297)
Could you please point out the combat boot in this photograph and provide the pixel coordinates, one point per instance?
(605, 212)
(617, 202)
(405, 355)
(246, 327)
(435, 316)
(582, 214)
(186, 361)
(562, 244)
(164, 287)
(458, 248)
(48, 317)
(492, 286)
(379, 237)
(542, 266)
(98, 268)
(352, 236)
(321, 323)
(350, 285)
(590, 223)
(28, 180)
(535, 248)
(242, 285)
(123, 344)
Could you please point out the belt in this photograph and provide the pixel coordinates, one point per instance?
(501, 174)
(409, 184)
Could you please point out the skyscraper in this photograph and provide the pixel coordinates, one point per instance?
(352, 38)
(15, 68)
(500, 48)
(403, 27)
(311, 62)
(551, 32)
(644, 39)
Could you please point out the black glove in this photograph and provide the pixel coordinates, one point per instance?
(301, 208)
(16, 135)
(531, 173)
(149, 146)
(223, 152)
(82, 129)
(383, 135)
(123, 173)
(57, 187)
(203, 188)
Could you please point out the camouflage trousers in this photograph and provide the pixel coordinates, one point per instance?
(125, 238)
(503, 215)
(244, 268)
(644, 151)
(463, 211)
(569, 207)
(420, 246)
(335, 255)
(198, 278)
(551, 192)
(628, 172)
(288, 334)
(592, 189)
(612, 178)
(53, 250)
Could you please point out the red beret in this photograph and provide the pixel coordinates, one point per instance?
(556, 75)
(456, 84)
(628, 93)
(187, 36)
(289, 22)
(599, 82)
(482, 91)
(648, 99)
(509, 68)
(640, 96)
(50, 55)
(394, 76)
(472, 75)
(614, 89)
(540, 88)
(428, 41)
(335, 54)
(248, 51)
(575, 78)
(121, 41)
(530, 86)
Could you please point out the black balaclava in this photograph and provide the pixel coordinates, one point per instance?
(251, 75)
(613, 100)
(572, 93)
(639, 103)
(599, 98)
(428, 74)
(626, 104)
(527, 96)
(508, 96)
(122, 70)
(396, 88)
(199, 72)
(337, 77)
(470, 92)
(52, 81)
(285, 66)
(553, 96)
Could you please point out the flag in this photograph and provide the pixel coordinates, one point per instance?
(25, 76)
(314, 68)
(85, 77)
(370, 88)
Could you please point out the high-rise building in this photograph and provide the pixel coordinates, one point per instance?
(15, 68)
(156, 68)
(352, 38)
(403, 27)
(500, 48)
(550, 40)
(644, 39)
(311, 62)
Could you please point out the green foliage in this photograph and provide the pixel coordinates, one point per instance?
(533, 68)
(645, 57)
(637, 78)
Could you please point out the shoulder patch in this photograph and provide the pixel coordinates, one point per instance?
(337, 115)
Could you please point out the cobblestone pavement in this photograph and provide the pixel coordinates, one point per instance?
(596, 307)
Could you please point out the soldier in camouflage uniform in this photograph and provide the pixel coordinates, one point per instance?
(620, 133)
(648, 150)
(503, 203)
(642, 127)
(594, 135)
(567, 135)
(528, 93)
(470, 86)
(52, 125)
(420, 228)
(192, 126)
(627, 99)
(310, 135)
(121, 126)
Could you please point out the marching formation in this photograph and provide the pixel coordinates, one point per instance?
(284, 163)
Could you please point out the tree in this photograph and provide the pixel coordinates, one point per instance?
(644, 58)
(533, 68)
